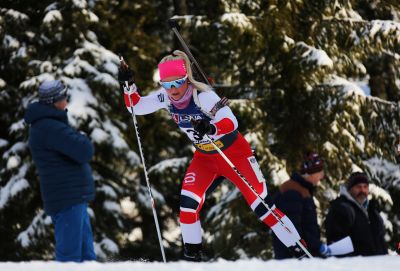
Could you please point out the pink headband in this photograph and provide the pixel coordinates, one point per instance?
(174, 67)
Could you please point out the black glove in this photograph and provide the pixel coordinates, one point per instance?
(398, 248)
(297, 251)
(203, 127)
(124, 74)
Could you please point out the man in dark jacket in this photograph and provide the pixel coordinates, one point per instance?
(295, 199)
(62, 155)
(351, 214)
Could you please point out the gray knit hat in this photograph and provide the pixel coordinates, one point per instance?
(52, 91)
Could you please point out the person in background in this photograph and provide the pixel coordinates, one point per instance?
(352, 214)
(295, 199)
(61, 155)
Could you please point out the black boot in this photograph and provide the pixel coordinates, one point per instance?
(193, 252)
(297, 251)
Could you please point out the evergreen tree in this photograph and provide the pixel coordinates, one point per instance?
(306, 67)
(296, 71)
(50, 40)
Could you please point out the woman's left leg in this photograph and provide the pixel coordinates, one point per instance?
(243, 159)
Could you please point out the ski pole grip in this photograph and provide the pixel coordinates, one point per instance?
(173, 23)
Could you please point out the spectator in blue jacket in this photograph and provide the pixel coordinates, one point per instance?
(295, 199)
(61, 155)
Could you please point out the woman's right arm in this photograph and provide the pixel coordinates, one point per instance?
(146, 104)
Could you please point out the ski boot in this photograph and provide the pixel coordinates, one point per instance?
(297, 251)
(193, 252)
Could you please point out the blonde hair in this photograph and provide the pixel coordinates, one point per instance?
(181, 55)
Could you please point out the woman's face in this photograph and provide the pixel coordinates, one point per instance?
(173, 92)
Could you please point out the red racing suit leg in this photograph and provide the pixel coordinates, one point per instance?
(205, 168)
(199, 176)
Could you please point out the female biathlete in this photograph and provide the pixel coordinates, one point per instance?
(197, 110)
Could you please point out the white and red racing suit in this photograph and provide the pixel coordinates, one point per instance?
(207, 164)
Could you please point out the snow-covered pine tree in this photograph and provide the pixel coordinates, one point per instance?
(310, 70)
(297, 71)
(54, 39)
(348, 127)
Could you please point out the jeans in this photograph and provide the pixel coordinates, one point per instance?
(73, 234)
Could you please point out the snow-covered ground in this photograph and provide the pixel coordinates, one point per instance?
(347, 264)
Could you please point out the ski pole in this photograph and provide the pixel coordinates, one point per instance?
(145, 170)
(256, 193)
(175, 26)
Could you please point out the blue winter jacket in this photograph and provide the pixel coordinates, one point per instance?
(61, 155)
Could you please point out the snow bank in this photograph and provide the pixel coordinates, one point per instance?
(333, 264)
